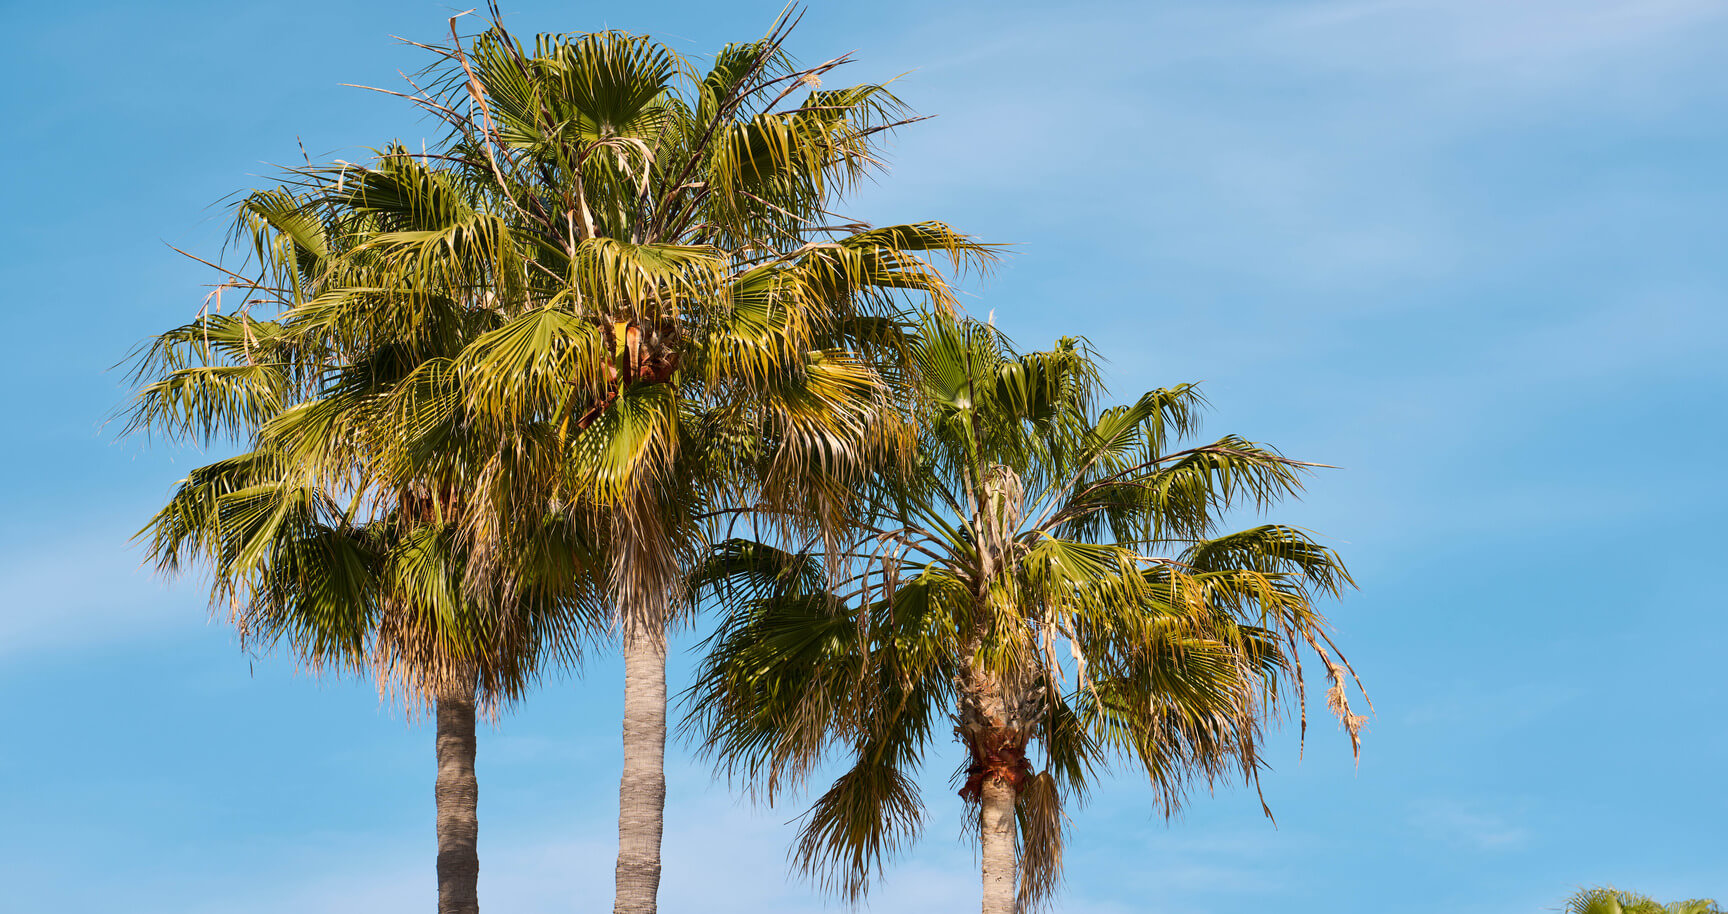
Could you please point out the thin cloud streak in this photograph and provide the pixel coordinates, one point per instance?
(1470, 824)
(87, 589)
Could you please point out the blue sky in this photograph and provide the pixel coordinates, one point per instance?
(1470, 251)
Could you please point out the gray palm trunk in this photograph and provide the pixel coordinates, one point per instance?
(642, 789)
(995, 722)
(996, 834)
(458, 795)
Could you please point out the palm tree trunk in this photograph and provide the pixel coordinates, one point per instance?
(995, 730)
(642, 789)
(458, 796)
(996, 832)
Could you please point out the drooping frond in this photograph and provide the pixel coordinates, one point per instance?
(871, 812)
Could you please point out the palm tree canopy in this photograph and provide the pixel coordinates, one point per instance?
(337, 532)
(658, 306)
(1608, 900)
(431, 321)
(1065, 555)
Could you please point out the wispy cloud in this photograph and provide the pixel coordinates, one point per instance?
(1471, 824)
(1523, 51)
(84, 589)
(1469, 705)
(1320, 144)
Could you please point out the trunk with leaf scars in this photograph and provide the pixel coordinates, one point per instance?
(642, 789)
(998, 714)
(458, 795)
(996, 832)
(996, 730)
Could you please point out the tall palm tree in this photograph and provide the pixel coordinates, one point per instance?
(685, 328)
(1028, 522)
(1613, 901)
(336, 534)
(622, 282)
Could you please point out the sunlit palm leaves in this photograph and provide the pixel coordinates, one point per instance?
(648, 224)
(1614, 901)
(1058, 562)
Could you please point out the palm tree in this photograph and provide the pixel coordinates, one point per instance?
(684, 327)
(621, 282)
(1609, 900)
(1028, 521)
(384, 595)
(336, 533)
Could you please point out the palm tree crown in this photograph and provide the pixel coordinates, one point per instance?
(338, 532)
(1047, 573)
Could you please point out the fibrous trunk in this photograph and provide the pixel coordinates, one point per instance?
(458, 795)
(642, 789)
(995, 726)
(998, 709)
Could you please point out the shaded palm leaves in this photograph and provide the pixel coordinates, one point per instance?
(1047, 573)
(386, 594)
(340, 531)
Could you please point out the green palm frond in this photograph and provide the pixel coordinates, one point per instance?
(203, 402)
(547, 357)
